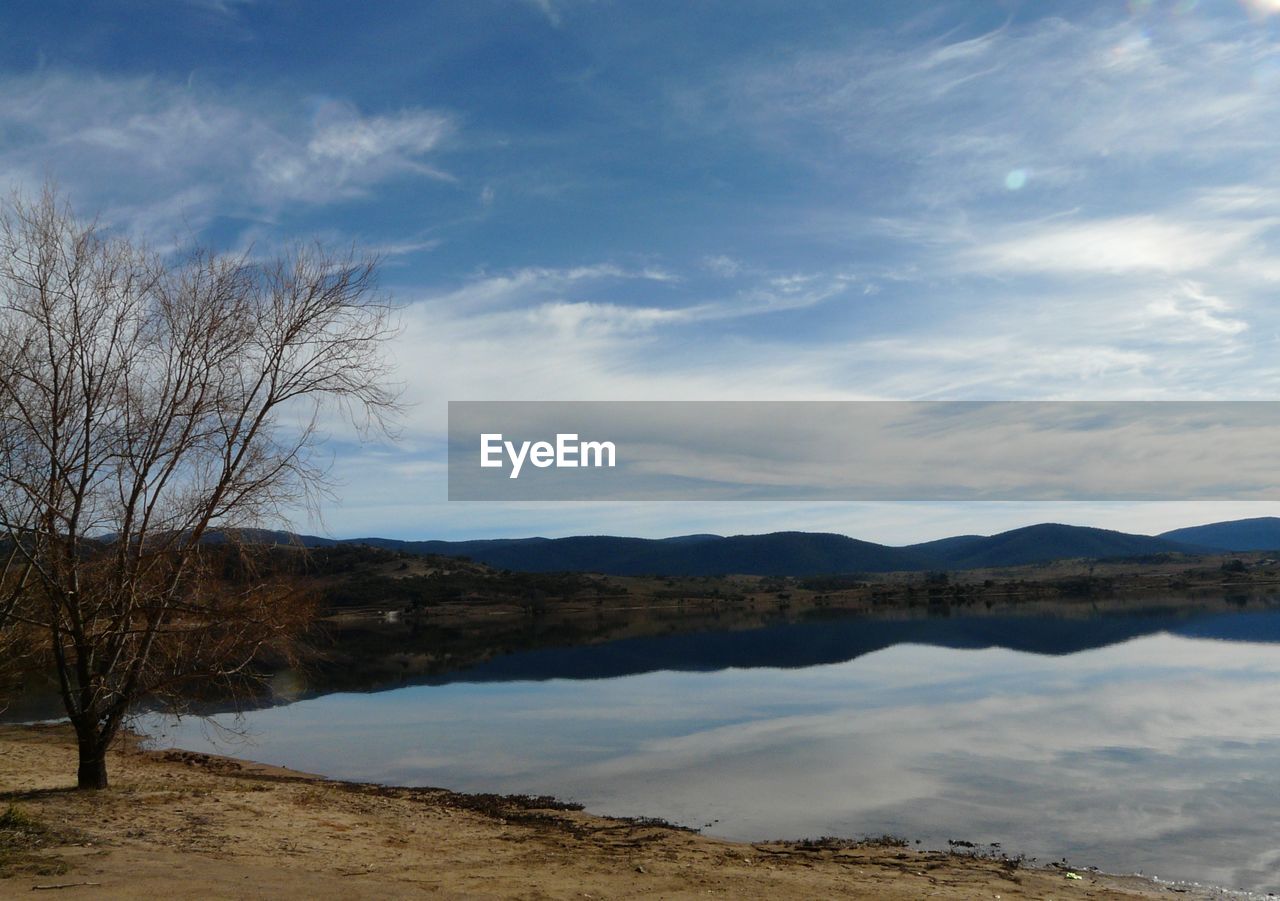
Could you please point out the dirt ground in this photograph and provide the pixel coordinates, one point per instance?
(182, 825)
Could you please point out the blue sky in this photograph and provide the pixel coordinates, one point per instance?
(608, 200)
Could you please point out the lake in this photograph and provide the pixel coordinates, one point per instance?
(1136, 743)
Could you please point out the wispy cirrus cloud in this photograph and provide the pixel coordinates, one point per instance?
(220, 7)
(1193, 305)
(574, 295)
(154, 153)
(531, 285)
(347, 152)
(1125, 244)
(1056, 99)
(553, 9)
(1079, 206)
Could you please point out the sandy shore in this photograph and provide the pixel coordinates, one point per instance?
(182, 825)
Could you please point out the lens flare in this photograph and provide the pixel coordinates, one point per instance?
(1016, 180)
(1262, 8)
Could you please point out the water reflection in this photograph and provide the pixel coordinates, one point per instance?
(794, 645)
(1156, 753)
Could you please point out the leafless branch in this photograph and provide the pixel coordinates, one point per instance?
(146, 406)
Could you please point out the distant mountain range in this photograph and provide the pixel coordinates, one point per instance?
(820, 553)
(1260, 534)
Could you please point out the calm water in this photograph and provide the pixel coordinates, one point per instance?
(1136, 743)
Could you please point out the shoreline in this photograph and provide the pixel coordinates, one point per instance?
(185, 824)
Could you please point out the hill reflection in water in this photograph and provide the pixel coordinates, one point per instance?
(798, 645)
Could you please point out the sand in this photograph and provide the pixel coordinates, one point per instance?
(183, 825)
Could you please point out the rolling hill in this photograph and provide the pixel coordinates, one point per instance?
(1044, 542)
(786, 553)
(1259, 534)
(776, 554)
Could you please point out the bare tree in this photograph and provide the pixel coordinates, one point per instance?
(16, 639)
(146, 408)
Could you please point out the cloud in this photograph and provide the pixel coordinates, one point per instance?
(347, 151)
(1137, 256)
(408, 247)
(548, 9)
(156, 155)
(553, 9)
(723, 266)
(585, 319)
(228, 8)
(1063, 101)
(1204, 312)
(1143, 244)
(529, 285)
(457, 344)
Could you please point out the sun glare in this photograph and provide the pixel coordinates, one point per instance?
(1262, 8)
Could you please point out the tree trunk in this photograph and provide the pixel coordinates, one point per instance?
(93, 763)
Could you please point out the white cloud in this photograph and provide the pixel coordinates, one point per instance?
(548, 9)
(1204, 312)
(549, 289)
(523, 287)
(1137, 258)
(1054, 97)
(345, 153)
(458, 345)
(221, 7)
(554, 9)
(585, 319)
(160, 155)
(355, 141)
(407, 247)
(723, 266)
(1119, 245)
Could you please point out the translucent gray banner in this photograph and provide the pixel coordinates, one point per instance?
(864, 450)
